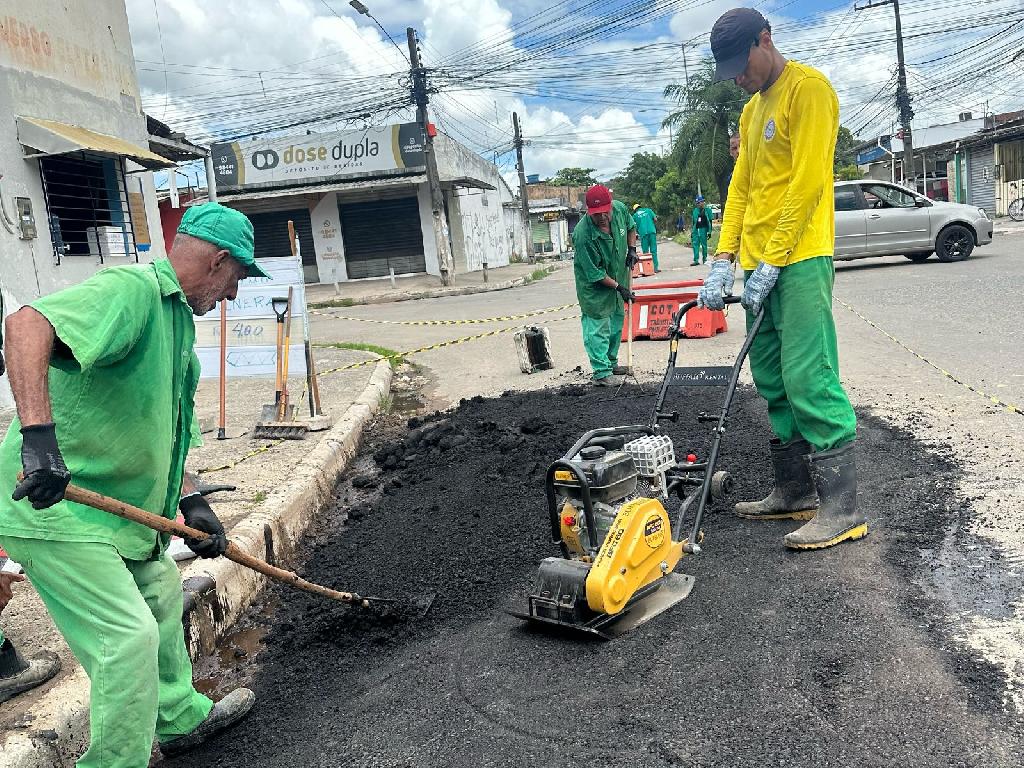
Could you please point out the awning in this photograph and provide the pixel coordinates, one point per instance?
(41, 138)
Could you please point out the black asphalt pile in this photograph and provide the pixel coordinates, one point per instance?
(833, 658)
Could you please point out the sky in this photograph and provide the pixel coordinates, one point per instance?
(585, 77)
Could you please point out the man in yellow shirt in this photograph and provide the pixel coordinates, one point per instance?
(780, 224)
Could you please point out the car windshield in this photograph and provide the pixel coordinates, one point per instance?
(884, 196)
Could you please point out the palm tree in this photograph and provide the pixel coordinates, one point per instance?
(708, 114)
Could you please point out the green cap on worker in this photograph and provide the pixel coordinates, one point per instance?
(226, 228)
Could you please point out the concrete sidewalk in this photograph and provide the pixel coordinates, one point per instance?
(281, 485)
(380, 291)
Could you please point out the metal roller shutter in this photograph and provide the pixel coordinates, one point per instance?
(271, 232)
(382, 235)
(982, 186)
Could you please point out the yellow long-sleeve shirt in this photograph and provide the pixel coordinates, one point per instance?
(780, 208)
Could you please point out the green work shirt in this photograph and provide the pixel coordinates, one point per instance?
(123, 405)
(708, 214)
(644, 218)
(598, 254)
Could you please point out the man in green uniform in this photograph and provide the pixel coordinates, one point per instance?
(780, 220)
(17, 674)
(701, 218)
(605, 241)
(647, 230)
(104, 377)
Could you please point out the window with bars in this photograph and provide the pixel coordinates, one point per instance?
(88, 208)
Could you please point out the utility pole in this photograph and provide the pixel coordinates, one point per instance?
(419, 92)
(902, 93)
(524, 197)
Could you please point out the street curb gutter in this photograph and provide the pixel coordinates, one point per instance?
(434, 293)
(217, 592)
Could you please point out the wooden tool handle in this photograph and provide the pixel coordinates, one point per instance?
(162, 524)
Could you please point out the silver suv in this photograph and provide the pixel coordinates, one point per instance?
(876, 218)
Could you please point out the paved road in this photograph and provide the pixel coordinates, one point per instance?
(962, 318)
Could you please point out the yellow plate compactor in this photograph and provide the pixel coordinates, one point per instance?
(607, 499)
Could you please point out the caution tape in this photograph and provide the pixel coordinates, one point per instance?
(374, 361)
(246, 457)
(474, 321)
(991, 398)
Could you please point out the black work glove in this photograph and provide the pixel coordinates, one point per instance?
(3, 365)
(199, 514)
(46, 476)
(631, 258)
(626, 294)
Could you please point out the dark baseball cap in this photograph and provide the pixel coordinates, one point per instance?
(731, 38)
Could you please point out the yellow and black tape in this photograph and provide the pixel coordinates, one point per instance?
(246, 457)
(374, 361)
(955, 379)
(473, 321)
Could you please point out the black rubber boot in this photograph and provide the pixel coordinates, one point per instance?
(18, 674)
(835, 476)
(225, 713)
(793, 497)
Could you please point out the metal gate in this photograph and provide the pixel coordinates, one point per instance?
(271, 234)
(382, 235)
(981, 188)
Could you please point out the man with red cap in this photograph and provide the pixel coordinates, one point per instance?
(780, 226)
(605, 243)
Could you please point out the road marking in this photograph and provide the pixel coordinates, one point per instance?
(991, 398)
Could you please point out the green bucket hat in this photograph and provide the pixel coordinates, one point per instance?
(226, 228)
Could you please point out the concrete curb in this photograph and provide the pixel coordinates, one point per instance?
(216, 592)
(435, 293)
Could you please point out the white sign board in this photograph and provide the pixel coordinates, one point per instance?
(252, 325)
(317, 157)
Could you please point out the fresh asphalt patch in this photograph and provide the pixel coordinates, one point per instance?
(836, 658)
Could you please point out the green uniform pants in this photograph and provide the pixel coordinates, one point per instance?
(699, 240)
(122, 620)
(795, 358)
(601, 339)
(649, 244)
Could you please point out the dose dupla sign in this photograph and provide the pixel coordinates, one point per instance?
(317, 157)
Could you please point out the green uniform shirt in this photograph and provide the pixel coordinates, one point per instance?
(598, 254)
(122, 403)
(644, 218)
(707, 213)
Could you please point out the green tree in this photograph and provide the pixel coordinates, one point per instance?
(845, 154)
(672, 196)
(707, 113)
(636, 183)
(848, 172)
(573, 177)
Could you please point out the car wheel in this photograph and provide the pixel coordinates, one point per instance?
(954, 243)
(919, 256)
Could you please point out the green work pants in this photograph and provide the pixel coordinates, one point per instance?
(795, 358)
(649, 244)
(601, 339)
(699, 240)
(122, 620)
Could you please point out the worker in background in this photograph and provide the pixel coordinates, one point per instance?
(104, 377)
(680, 222)
(605, 242)
(17, 674)
(734, 153)
(780, 226)
(701, 218)
(647, 230)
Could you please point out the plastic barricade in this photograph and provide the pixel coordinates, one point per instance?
(657, 302)
(644, 267)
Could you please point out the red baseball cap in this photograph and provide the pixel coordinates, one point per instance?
(599, 199)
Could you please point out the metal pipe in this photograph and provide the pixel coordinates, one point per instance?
(211, 179)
